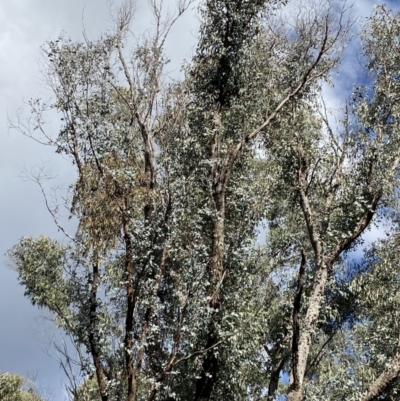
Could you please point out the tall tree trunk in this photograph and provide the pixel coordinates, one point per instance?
(92, 340)
(299, 358)
(130, 297)
(274, 379)
(205, 385)
(208, 378)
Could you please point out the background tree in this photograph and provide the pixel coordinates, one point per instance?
(14, 387)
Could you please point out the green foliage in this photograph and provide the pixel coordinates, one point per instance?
(39, 263)
(165, 290)
(15, 388)
(87, 391)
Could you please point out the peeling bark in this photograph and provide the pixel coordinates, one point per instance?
(296, 321)
(304, 344)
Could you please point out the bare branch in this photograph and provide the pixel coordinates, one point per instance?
(38, 176)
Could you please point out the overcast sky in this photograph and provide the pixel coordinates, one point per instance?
(24, 26)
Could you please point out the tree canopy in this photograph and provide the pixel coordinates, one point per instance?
(14, 387)
(217, 213)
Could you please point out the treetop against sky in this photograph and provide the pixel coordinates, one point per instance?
(144, 250)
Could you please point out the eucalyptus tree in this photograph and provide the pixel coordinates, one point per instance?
(14, 387)
(360, 184)
(164, 290)
(243, 96)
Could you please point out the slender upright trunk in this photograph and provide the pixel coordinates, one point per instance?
(274, 379)
(205, 385)
(133, 369)
(92, 340)
(208, 378)
(299, 359)
(130, 297)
